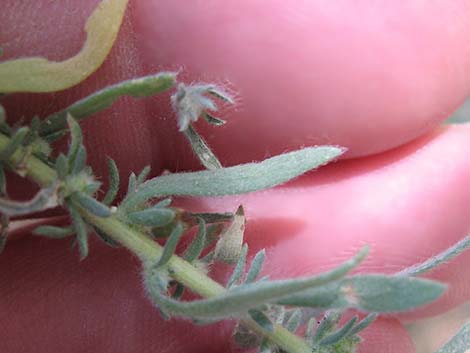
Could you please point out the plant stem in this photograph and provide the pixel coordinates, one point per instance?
(148, 250)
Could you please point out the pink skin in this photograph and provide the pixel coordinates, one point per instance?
(317, 73)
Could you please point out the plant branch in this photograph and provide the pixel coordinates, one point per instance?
(148, 250)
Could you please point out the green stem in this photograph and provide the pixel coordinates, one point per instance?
(147, 250)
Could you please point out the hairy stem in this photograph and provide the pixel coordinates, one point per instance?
(148, 250)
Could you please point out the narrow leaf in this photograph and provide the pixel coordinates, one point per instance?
(239, 268)
(80, 160)
(152, 217)
(163, 203)
(201, 149)
(337, 336)
(103, 99)
(3, 180)
(91, 205)
(143, 175)
(62, 166)
(2, 114)
(15, 142)
(53, 232)
(310, 330)
(294, 320)
(76, 140)
(113, 183)
(197, 245)
(81, 231)
(363, 324)
(105, 238)
(4, 224)
(213, 217)
(256, 265)
(44, 199)
(437, 260)
(460, 343)
(261, 319)
(236, 180)
(179, 291)
(327, 324)
(170, 245)
(132, 184)
(250, 296)
(213, 120)
(372, 293)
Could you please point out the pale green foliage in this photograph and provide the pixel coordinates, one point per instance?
(270, 306)
(460, 343)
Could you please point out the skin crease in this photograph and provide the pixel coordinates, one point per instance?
(396, 62)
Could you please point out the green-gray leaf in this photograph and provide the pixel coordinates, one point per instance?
(236, 180)
(201, 149)
(113, 183)
(91, 205)
(53, 232)
(138, 87)
(250, 296)
(460, 343)
(15, 143)
(170, 245)
(372, 293)
(255, 267)
(261, 319)
(152, 217)
(43, 200)
(437, 260)
(197, 245)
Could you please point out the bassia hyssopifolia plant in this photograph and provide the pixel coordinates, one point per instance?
(294, 315)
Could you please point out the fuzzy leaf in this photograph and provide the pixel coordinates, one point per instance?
(3, 180)
(53, 232)
(113, 183)
(4, 224)
(363, 324)
(179, 291)
(229, 245)
(163, 203)
(62, 166)
(327, 324)
(15, 142)
(143, 175)
(236, 180)
(91, 205)
(261, 319)
(437, 260)
(341, 333)
(256, 265)
(81, 231)
(239, 267)
(213, 120)
(152, 217)
(105, 238)
(2, 114)
(76, 140)
(195, 248)
(80, 160)
(310, 330)
(214, 217)
(372, 293)
(37, 74)
(170, 245)
(201, 149)
(460, 343)
(294, 320)
(132, 184)
(44, 199)
(239, 300)
(103, 99)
